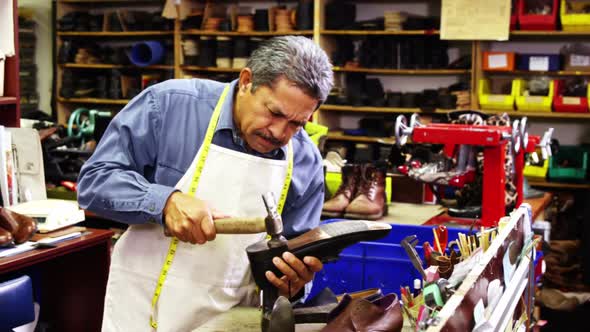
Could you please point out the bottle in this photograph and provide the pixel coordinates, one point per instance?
(417, 287)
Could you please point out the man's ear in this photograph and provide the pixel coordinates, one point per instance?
(245, 80)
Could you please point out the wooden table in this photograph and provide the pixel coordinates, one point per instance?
(71, 279)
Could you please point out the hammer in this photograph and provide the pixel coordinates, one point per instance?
(271, 224)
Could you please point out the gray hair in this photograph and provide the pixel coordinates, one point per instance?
(296, 58)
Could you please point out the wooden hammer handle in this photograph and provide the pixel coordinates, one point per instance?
(240, 225)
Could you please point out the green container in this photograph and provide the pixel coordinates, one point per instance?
(576, 156)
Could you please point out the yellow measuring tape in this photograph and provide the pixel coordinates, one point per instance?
(193, 189)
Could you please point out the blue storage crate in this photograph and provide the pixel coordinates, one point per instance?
(382, 263)
(540, 62)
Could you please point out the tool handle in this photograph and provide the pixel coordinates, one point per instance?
(239, 225)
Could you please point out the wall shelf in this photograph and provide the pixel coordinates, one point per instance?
(549, 33)
(212, 69)
(369, 109)
(379, 32)
(111, 66)
(562, 185)
(246, 34)
(552, 115)
(113, 33)
(8, 100)
(532, 72)
(93, 101)
(386, 71)
(338, 136)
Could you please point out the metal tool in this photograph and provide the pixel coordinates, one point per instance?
(324, 242)
(437, 293)
(271, 224)
(409, 243)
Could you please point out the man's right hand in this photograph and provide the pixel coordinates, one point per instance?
(189, 219)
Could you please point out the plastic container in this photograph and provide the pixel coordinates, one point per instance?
(536, 173)
(577, 156)
(498, 61)
(488, 100)
(146, 53)
(574, 21)
(539, 62)
(537, 22)
(567, 104)
(383, 263)
(577, 61)
(534, 103)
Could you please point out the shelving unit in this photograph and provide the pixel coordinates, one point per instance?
(329, 114)
(338, 136)
(246, 34)
(64, 106)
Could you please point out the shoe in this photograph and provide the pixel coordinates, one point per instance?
(20, 226)
(370, 201)
(318, 308)
(383, 314)
(556, 300)
(335, 206)
(6, 239)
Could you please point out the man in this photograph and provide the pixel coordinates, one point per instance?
(233, 142)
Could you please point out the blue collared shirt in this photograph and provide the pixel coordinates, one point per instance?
(151, 143)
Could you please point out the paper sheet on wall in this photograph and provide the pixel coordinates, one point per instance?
(6, 28)
(475, 19)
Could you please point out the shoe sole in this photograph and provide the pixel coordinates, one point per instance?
(368, 216)
(363, 216)
(332, 214)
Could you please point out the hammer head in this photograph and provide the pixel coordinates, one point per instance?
(273, 221)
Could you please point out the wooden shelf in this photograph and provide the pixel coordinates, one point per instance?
(338, 136)
(8, 100)
(113, 33)
(562, 185)
(94, 101)
(549, 33)
(212, 69)
(535, 72)
(245, 34)
(404, 71)
(370, 109)
(130, 2)
(553, 115)
(110, 66)
(379, 32)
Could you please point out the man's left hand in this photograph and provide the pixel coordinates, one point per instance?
(296, 272)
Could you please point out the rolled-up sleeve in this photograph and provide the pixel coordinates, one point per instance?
(112, 183)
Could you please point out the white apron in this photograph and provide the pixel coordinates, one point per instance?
(203, 280)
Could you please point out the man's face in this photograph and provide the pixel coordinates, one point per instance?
(269, 117)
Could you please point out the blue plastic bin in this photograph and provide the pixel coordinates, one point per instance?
(383, 263)
(541, 62)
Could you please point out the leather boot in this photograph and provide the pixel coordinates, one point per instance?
(369, 202)
(335, 206)
(6, 238)
(20, 226)
(352, 315)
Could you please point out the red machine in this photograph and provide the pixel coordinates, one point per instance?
(494, 139)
